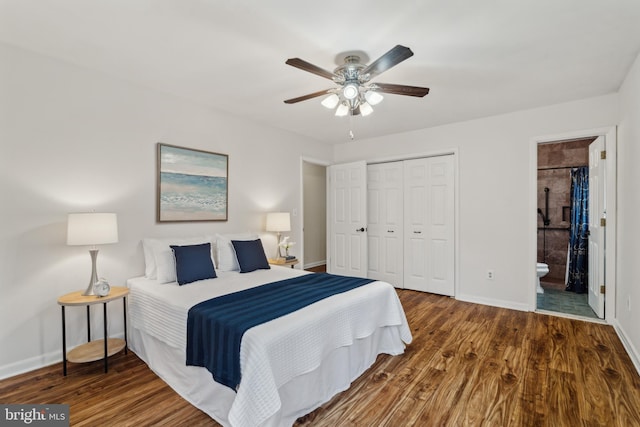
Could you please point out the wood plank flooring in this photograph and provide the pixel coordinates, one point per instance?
(468, 365)
(317, 269)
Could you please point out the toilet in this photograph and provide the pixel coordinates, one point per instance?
(541, 270)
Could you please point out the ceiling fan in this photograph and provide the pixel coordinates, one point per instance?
(356, 93)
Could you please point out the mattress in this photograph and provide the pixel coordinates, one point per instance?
(289, 365)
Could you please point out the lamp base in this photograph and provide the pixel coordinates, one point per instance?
(94, 273)
(279, 253)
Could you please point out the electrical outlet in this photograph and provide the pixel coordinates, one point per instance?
(490, 274)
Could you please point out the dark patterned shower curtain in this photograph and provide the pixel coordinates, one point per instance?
(579, 233)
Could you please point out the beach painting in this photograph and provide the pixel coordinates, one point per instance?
(192, 184)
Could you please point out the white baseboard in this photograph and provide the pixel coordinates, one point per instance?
(30, 364)
(314, 264)
(628, 346)
(37, 362)
(492, 302)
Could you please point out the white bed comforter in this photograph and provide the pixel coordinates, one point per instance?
(274, 353)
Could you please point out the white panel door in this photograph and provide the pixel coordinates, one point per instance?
(429, 225)
(385, 217)
(596, 232)
(347, 196)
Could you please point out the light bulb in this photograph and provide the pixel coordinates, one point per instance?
(350, 91)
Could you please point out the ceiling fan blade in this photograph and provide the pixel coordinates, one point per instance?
(400, 89)
(309, 96)
(305, 66)
(392, 58)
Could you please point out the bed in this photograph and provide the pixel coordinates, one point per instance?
(290, 365)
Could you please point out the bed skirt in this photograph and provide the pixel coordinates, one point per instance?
(299, 396)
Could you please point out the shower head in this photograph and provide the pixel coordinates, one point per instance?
(546, 221)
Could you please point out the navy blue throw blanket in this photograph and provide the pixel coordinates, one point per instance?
(215, 327)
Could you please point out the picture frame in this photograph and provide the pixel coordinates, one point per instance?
(192, 184)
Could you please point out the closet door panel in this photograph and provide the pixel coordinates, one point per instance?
(373, 216)
(416, 220)
(438, 261)
(385, 201)
(441, 227)
(373, 254)
(393, 255)
(415, 265)
(429, 222)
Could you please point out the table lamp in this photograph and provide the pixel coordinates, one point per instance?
(278, 222)
(91, 229)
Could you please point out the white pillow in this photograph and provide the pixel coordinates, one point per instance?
(162, 264)
(150, 269)
(227, 260)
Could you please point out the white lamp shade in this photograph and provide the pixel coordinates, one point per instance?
(331, 101)
(373, 98)
(365, 109)
(92, 228)
(278, 221)
(342, 110)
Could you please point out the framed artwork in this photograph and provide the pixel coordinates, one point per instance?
(192, 184)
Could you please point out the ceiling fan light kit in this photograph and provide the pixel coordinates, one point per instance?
(355, 95)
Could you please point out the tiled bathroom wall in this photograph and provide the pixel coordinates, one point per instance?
(555, 161)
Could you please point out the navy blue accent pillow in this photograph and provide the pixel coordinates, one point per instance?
(250, 254)
(193, 263)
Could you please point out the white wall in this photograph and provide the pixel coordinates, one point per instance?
(495, 169)
(628, 268)
(74, 140)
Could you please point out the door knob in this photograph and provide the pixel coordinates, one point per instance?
(361, 229)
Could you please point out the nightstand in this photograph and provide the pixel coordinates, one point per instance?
(283, 262)
(98, 349)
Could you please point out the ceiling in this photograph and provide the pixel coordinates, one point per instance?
(479, 58)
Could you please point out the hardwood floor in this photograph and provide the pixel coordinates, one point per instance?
(317, 269)
(467, 365)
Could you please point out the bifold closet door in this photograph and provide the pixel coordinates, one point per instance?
(429, 225)
(385, 217)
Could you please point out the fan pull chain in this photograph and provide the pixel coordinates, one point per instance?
(351, 136)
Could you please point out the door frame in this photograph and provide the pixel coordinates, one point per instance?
(610, 197)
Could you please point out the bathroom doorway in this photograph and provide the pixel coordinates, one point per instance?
(559, 164)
